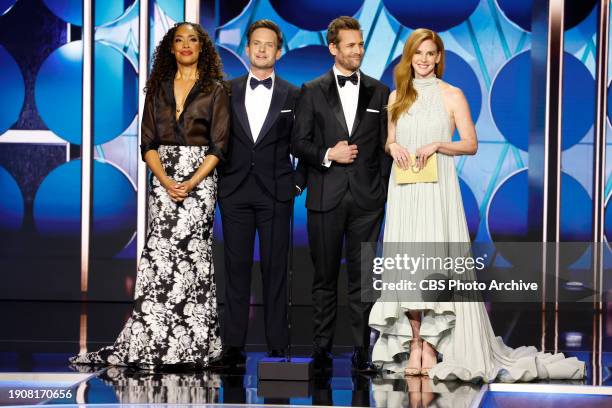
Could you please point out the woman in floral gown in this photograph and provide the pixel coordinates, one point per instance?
(184, 133)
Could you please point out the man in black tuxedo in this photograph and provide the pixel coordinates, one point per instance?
(256, 189)
(339, 133)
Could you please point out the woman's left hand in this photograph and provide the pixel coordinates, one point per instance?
(186, 187)
(423, 153)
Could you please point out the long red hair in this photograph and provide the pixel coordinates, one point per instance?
(403, 72)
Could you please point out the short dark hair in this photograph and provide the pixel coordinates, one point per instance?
(270, 25)
(341, 23)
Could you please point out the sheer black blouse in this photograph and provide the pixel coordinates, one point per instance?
(205, 119)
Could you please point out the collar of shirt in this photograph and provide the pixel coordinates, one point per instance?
(273, 75)
(337, 72)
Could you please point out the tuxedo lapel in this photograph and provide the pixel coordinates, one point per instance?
(238, 93)
(366, 90)
(330, 90)
(279, 95)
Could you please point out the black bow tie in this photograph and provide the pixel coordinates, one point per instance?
(352, 78)
(266, 82)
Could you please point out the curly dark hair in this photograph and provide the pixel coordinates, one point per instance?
(210, 69)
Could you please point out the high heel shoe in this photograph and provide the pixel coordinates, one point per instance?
(415, 345)
(425, 370)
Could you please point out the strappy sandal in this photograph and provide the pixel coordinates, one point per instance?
(425, 370)
(413, 371)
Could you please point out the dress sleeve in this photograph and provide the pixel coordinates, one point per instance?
(149, 139)
(219, 123)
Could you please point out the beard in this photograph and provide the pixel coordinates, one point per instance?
(351, 64)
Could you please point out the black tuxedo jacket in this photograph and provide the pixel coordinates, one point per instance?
(320, 124)
(268, 158)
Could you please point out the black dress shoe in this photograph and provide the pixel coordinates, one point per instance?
(321, 358)
(230, 357)
(277, 353)
(361, 360)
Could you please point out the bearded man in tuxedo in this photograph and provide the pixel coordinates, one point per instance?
(339, 135)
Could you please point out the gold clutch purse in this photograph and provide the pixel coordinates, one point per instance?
(428, 174)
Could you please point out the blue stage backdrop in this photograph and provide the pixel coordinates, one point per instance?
(488, 53)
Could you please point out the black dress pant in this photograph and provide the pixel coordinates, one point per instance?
(251, 208)
(327, 231)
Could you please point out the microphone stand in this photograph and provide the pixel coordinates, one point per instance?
(287, 368)
(290, 269)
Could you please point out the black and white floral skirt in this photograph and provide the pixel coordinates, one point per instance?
(174, 320)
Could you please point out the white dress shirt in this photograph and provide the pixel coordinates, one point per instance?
(349, 98)
(257, 103)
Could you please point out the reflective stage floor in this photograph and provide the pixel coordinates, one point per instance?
(338, 388)
(36, 339)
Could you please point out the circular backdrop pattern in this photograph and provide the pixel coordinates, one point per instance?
(57, 208)
(520, 12)
(458, 73)
(470, 206)
(576, 11)
(314, 15)
(11, 204)
(507, 213)
(6, 5)
(439, 15)
(511, 98)
(517, 11)
(228, 10)
(233, 66)
(13, 90)
(115, 96)
(303, 64)
(608, 219)
(71, 11)
(609, 101)
(507, 217)
(508, 210)
(300, 226)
